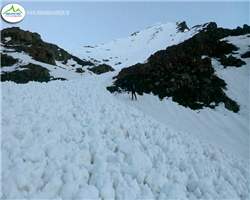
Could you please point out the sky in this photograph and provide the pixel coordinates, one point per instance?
(94, 23)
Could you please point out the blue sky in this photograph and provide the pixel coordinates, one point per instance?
(93, 23)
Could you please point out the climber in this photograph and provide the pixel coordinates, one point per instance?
(133, 92)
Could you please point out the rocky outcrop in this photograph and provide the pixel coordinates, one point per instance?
(246, 55)
(7, 60)
(79, 70)
(28, 73)
(231, 61)
(32, 44)
(182, 26)
(181, 73)
(100, 69)
(20, 37)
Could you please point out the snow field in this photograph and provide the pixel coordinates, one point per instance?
(136, 48)
(74, 140)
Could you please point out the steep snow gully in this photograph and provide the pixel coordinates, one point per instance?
(75, 140)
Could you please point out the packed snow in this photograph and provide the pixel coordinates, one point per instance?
(75, 140)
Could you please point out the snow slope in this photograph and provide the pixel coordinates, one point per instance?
(75, 140)
(66, 140)
(136, 48)
(219, 127)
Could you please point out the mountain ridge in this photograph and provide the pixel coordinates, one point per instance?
(181, 73)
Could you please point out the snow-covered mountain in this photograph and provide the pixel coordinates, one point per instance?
(139, 46)
(219, 126)
(76, 140)
(26, 57)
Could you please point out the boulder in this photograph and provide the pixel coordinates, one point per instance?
(79, 70)
(100, 69)
(231, 61)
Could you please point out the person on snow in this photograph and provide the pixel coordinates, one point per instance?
(133, 92)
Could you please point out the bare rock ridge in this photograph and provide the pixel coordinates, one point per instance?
(182, 26)
(30, 72)
(32, 44)
(16, 40)
(180, 72)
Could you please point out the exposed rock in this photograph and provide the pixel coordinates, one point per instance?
(79, 70)
(32, 44)
(231, 61)
(61, 79)
(222, 32)
(246, 55)
(182, 26)
(135, 33)
(7, 60)
(180, 73)
(118, 63)
(89, 46)
(231, 105)
(20, 37)
(100, 69)
(30, 73)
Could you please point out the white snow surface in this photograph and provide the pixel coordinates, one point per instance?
(75, 140)
(7, 39)
(219, 127)
(136, 48)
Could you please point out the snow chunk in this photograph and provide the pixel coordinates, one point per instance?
(53, 187)
(33, 154)
(87, 192)
(139, 159)
(69, 190)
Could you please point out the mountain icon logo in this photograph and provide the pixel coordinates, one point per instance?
(12, 8)
(13, 13)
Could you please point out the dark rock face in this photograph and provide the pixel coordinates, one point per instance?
(100, 69)
(231, 61)
(246, 55)
(61, 79)
(20, 37)
(207, 42)
(32, 44)
(182, 26)
(79, 70)
(30, 73)
(7, 60)
(180, 73)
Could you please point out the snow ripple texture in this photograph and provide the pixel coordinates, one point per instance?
(74, 140)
